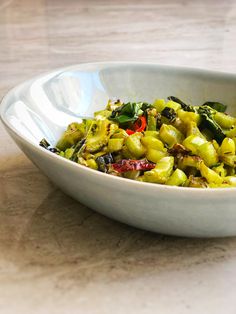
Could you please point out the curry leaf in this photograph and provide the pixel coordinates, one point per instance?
(184, 106)
(216, 106)
(128, 112)
(208, 121)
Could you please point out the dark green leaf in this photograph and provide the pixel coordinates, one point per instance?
(44, 143)
(208, 122)
(124, 118)
(169, 113)
(128, 112)
(146, 106)
(184, 106)
(216, 106)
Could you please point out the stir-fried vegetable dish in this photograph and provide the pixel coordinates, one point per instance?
(168, 142)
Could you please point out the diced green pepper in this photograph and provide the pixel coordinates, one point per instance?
(151, 119)
(193, 142)
(115, 144)
(187, 116)
(224, 120)
(152, 133)
(227, 147)
(134, 145)
(177, 178)
(192, 129)
(119, 133)
(210, 175)
(189, 161)
(208, 153)
(172, 104)
(162, 171)
(152, 142)
(155, 155)
(170, 135)
(159, 104)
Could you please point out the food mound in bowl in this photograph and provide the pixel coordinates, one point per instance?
(167, 142)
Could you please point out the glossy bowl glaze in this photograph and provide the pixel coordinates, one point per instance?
(44, 106)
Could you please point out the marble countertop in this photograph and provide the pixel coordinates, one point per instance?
(56, 255)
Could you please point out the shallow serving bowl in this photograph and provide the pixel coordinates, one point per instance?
(44, 106)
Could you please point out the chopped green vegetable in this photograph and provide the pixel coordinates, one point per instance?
(210, 175)
(208, 153)
(170, 135)
(152, 142)
(193, 142)
(162, 171)
(74, 133)
(98, 135)
(115, 144)
(151, 119)
(134, 145)
(159, 105)
(224, 120)
(167, 142)
(155, 155)
(178, 178)
(183, 105)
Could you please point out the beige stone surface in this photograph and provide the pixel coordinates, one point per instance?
(56, 255)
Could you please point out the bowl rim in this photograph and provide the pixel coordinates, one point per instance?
(5, 105)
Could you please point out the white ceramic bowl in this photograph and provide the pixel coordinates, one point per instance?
(43, 107)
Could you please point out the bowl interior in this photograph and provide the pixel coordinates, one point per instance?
(44, 106)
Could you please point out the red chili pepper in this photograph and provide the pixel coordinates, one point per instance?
(142, 127)
(137, 126)
(129, 132)
(125, 165)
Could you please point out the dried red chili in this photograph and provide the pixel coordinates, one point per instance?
(125, 165)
